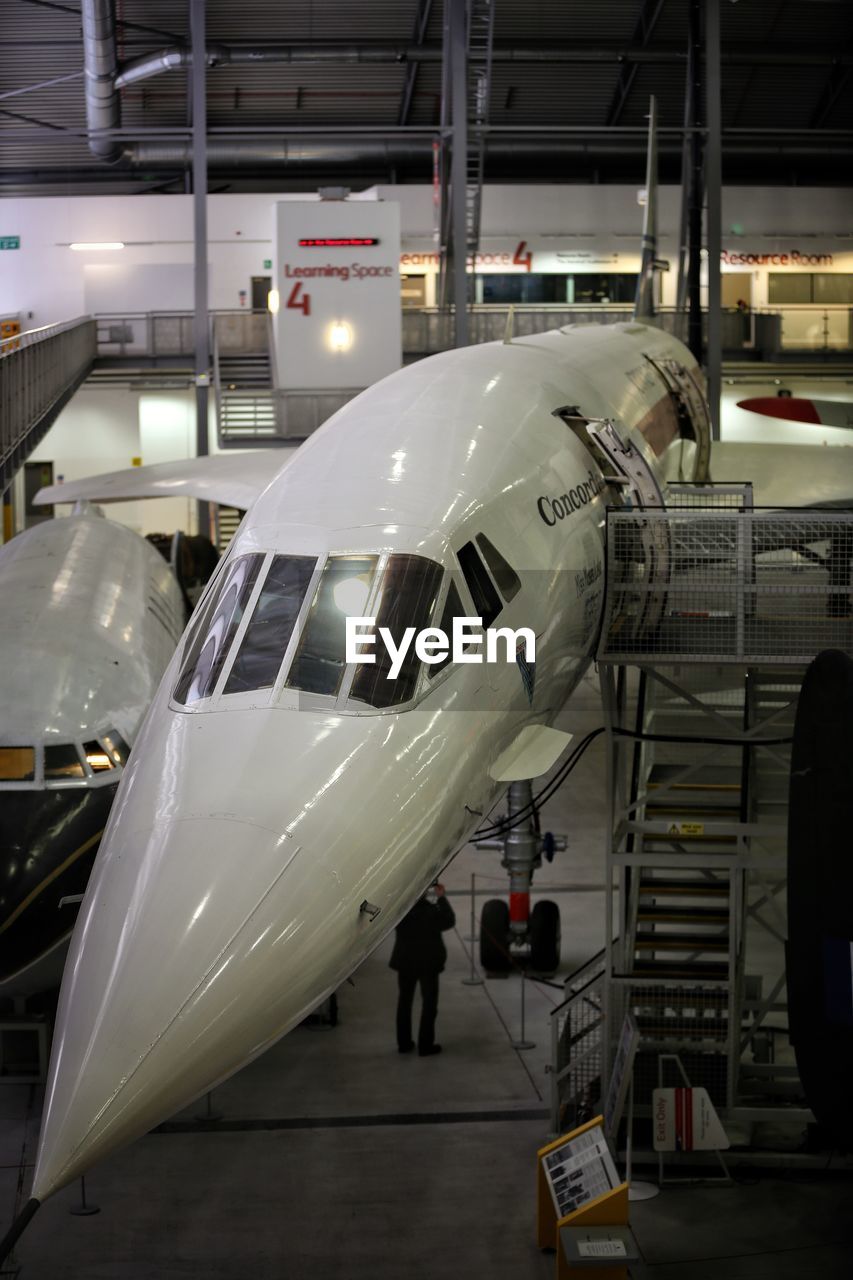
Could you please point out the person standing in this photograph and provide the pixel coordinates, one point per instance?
(419, 955)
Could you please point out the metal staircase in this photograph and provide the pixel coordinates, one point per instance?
(481, 20)
(248, 405)
(700, 696)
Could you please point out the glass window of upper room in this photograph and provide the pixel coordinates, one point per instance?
(320, 659)
(211, 639)
(271, 625)
(407, 598)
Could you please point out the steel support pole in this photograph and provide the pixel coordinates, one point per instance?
(458, 177)
(694, 199)
(713, 185)
(201, 321)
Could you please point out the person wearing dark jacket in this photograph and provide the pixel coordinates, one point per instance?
(418, 956)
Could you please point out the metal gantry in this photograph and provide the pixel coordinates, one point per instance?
(701, 659)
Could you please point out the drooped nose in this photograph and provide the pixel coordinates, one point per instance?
(192, 953)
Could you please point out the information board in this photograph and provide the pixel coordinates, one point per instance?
(580, 1170)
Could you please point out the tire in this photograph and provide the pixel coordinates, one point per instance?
(494, 936)
(544, 933)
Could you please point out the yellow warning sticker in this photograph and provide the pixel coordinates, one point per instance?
(687, 829)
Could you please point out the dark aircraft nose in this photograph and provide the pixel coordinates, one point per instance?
(48, 842)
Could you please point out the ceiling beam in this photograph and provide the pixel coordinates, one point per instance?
(646, 22)
(419, 36)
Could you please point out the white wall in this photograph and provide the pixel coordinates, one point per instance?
(44, 280)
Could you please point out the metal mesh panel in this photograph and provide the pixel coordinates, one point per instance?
(691, 1021)
(727, 586)
(578, 1040)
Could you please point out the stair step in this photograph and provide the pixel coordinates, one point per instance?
(685, 888)
(680, 942)
(682, 915)
(712, 778)
(707, 970)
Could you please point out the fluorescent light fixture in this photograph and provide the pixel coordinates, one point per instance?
(340, 335)
(97, 246)
(273, 302)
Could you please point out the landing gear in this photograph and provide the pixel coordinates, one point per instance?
(494, 937)
(544, 936)
(513, 934)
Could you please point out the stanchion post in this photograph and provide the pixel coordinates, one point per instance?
(474, 979)
(83, 1209)
(522, 1042)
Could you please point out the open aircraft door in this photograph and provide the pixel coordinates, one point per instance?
(688, 398)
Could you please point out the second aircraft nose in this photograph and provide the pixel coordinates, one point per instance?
(173, 913)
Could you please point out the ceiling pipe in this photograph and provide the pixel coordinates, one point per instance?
(149, 65)
(100, 65)
(321, 154)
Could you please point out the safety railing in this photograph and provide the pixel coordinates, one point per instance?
(39, 372)
(577, 1045)
(746, 587)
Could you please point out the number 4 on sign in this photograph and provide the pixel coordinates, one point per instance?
(299, 301)
(522, 259)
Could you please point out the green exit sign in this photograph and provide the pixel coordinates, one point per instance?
(10, 242)
(267, 263)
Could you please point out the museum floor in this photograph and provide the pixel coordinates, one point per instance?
(336, 1156)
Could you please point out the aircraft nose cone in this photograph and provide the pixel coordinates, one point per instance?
(151, 1012)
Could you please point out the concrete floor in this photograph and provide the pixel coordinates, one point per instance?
(335, 1155)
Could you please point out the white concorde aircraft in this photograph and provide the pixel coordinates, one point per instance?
(281, 810)
(90, 617)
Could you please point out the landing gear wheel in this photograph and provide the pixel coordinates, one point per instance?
(494, 936)
(544, 934)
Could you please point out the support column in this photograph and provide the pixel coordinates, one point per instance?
(458, 74)
(695, 183)
(713, 185)
(201, 321)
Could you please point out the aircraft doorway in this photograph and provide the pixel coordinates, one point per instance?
(36, 476)
(261, 286)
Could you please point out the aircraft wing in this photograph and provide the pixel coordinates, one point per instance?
(787, 475)
(233, 479)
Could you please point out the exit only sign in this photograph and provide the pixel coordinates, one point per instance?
(10, 242)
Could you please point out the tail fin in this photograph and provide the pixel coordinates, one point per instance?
(644, 303)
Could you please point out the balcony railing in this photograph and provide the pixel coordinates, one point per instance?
(39, 372)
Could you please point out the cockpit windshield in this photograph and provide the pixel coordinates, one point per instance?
(407, 598)
(270, 611)
(268, 634)
(213, 636)
(344, 590)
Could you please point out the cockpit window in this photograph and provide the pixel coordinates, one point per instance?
(97, 758)
(487, 602)
(63, 761)
(17, 764)
(213, 636)
(267, 636)
(318, 665)
(452, 609)
(407, 598)
(509, 583)
(116, 746)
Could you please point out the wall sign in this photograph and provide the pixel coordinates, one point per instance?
(10, 242)
(337, 242)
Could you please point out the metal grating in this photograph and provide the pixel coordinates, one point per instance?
(727, 586)
(577, 1026)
